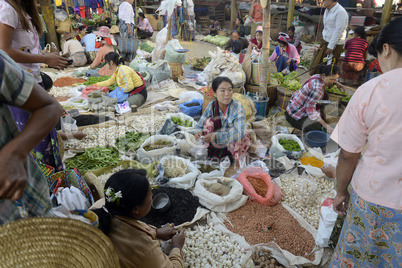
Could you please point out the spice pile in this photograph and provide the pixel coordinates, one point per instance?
(182, 208)
(174, 168)
(259, 186)
(218, 189)
(207, 247)
(262, 224)
(67, 81)
(262, 258)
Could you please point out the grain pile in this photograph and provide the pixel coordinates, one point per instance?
(67, 81)
(254, 220)
(259, 186)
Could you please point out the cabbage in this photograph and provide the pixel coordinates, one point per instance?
(223, 43)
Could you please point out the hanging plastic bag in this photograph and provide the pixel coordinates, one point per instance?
(68, 124)
(119, 94)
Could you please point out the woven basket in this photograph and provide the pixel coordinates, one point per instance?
(271, 90)
(335, 97)
(94, 185)
(283, 97)
(177, 70)
(55, 242)
(222, 33)
(206, 101)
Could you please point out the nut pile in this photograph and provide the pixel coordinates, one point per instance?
(311, 214)
(149, 123)
(259, 186)
(59, 91)
(263, 224)
(97, 136)
(207, 247)
(262, 258)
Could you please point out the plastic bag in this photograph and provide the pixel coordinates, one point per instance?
(155, 84)
(186, 181)
(68, 124)
(200, 149)
(273, 194)
(162, 106)
(168, 6)
(307, 190)
(160, 70)
(60, 14)
(159, 52)
(190, 95)
(185, 141)
(327, 222)
(78, 103)
(183, 118)
(220, 171)
(147, 157)
(138, 64)
(220, 203)
(193, 111)
(119, 94)
(277, 150)
(171, 55)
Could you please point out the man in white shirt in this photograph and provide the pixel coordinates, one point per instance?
(336, 20)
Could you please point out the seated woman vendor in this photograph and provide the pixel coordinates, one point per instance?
(303, 111)
(223, 124)
(128, 80)
(285, 55)
(128, 198)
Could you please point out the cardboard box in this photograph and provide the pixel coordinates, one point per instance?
(155, 23)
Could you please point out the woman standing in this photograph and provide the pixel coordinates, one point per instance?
(128, 198)
(75, 49)
(285, 55)
(144, 27)
(129, 81)
(223, 123)
(371, 235)
(355, 56)
(127, 23)
(20, 27)
(302, 111)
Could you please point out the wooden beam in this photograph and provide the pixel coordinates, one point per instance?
(265, 78)
(170, 25)
(386, 13)
(291, 11)
(233, 13)
(48, 16)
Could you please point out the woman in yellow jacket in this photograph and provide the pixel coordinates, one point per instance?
(131, 84)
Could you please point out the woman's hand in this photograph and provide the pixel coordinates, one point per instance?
(288, 62)
(198, 135)
(209, 137)
(329, 129)
(341, 203)
(79, 135)
(55, 61)
(166, 232)
(13, 177)
(340, 86)
(179, 239)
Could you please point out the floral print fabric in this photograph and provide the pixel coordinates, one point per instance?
(371, 236)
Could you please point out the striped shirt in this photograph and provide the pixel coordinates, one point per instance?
(355, 50)
(15, 89)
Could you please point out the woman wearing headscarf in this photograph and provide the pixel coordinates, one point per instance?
(285, 55)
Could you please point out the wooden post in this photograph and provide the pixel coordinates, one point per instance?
(291, 11)
(386, 13)
(135, 18)
(48, 16)
(169, 33)
(264, 76)
(233, 13)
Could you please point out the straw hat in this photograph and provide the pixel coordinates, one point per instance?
(67, 36)
(55, 242)
(114, 29)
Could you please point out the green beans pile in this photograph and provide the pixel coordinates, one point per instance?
(94, 158)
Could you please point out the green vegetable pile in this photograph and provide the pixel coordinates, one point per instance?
(146, 47)
(158, 145)
(290, 145)
(94, 158)
(346, 99)
(131, 141)
(305, 63)
(335, 90)
(289, 81)
(201, 63)
(180, 122)
(93, 80)
(217, 40)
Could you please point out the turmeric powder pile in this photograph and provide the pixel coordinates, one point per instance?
(312, 161)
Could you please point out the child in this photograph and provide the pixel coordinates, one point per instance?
(128, 198)
(294, 38)
(131, 84)
(256, 41)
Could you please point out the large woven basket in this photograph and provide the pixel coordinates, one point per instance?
(283, 97)
(222, 33)
(55, 242)
(335, 97)
(271, 90)
(206, 101)
(177, 70)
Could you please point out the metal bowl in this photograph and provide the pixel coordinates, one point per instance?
(161, 202)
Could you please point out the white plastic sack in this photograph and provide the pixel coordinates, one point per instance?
(185, 182)
(147, 157)
(327, 222)
(277, 150)
(185, 141)
(186, 96)
(138, 64)
(232, 201)
(184, 117)
(168, 6)
(78, 103)
(159, 52)
(162, 106)
(313, 171)
(160, 70)
(237, 75)
(75, 91)
(68, 124)
(220, 168)
(142, 54)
